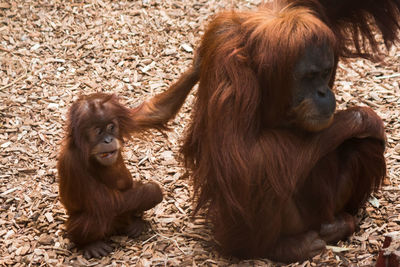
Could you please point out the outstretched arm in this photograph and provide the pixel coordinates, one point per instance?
(156, 112)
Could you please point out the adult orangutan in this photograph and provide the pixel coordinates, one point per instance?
(277, 171)
(95, 186)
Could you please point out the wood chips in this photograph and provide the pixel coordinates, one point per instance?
(52, 50)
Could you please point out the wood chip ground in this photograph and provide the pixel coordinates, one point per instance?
(52, 50)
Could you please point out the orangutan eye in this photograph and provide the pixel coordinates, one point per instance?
(111, 127)
(97, 131)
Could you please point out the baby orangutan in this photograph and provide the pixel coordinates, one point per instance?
(95, 186)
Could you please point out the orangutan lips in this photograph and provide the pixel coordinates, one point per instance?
(107, 154)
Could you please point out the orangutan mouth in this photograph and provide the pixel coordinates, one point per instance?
(109, 154)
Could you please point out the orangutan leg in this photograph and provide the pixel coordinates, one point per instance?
(362, 171)
(343, 226)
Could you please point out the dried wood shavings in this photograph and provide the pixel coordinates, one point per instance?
(52, 51)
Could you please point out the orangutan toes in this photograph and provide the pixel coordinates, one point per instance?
(96, 250)
(298, 248)
(136, 228)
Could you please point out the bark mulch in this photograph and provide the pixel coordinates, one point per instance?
(52, 50)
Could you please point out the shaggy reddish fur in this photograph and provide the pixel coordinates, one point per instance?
(270, 188)
(100, 200)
